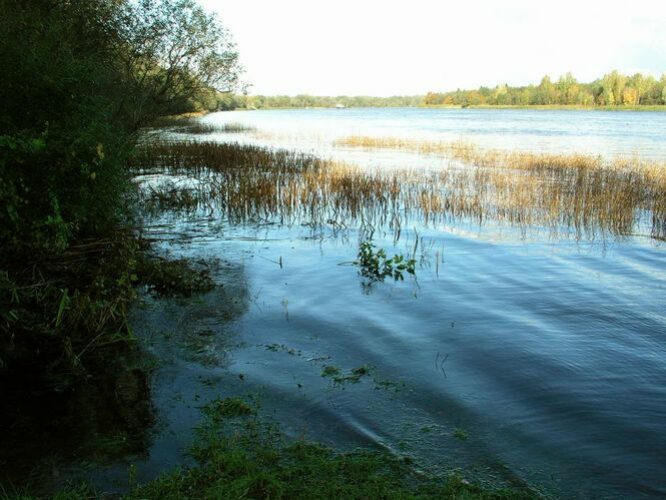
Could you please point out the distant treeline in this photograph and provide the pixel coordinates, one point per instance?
(614, 89)
(228, 101)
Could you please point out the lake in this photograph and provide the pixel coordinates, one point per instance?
(626, 133)
(514, 353)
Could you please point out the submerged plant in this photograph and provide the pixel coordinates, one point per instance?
(240, 455)
(228, 408)
(173, 277)
(376, 266)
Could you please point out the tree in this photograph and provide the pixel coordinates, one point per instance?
(172, 51)
(640, 84)
(630, 96)
(79, 77)
(567, 89)
(613, 85)
(546, 93)
(501, 95)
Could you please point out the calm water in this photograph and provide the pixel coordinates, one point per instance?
(548, 354)
(595, 132)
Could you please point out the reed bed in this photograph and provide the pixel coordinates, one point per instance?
(575, 195)
(572, 187)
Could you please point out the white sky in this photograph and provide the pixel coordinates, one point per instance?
(388, 47)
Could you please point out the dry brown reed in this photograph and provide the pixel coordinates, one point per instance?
(575, 190)
(573, 193)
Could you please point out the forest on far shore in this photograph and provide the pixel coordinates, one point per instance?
(612, 90)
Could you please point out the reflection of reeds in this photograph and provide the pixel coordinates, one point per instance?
(190, 124)
(196, 127)
(579, 193)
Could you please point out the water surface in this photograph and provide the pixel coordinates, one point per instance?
(513, 354)
(626, 133)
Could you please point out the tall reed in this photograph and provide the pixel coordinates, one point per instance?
(578, 194)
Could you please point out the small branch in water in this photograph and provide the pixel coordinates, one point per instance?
(440, 365)
(278, 262)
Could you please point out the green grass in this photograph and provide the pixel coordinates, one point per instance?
(239, 456)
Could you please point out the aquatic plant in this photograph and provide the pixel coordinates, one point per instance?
(330, 371)
(375, 265)
(570, 190)
(460, 433)
(240, 456)
(566, 194)
(172, 277)
(228, 408)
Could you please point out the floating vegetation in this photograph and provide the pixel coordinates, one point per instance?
(173, 277)
(375, 266)
(228, 408)
(573, 195)
(283, 348)
(389, 385)
(460, 433)
(354, 375)
(330, 371)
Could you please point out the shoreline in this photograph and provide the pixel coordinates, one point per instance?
(546, 107)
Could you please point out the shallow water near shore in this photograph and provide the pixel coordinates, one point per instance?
(545, 355)
(514, 355)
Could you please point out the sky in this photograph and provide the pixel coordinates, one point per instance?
(409, 47)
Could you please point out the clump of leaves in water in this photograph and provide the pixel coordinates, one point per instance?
(375, 265)
(173, 277)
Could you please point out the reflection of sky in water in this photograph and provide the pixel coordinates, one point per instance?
(605, 133)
